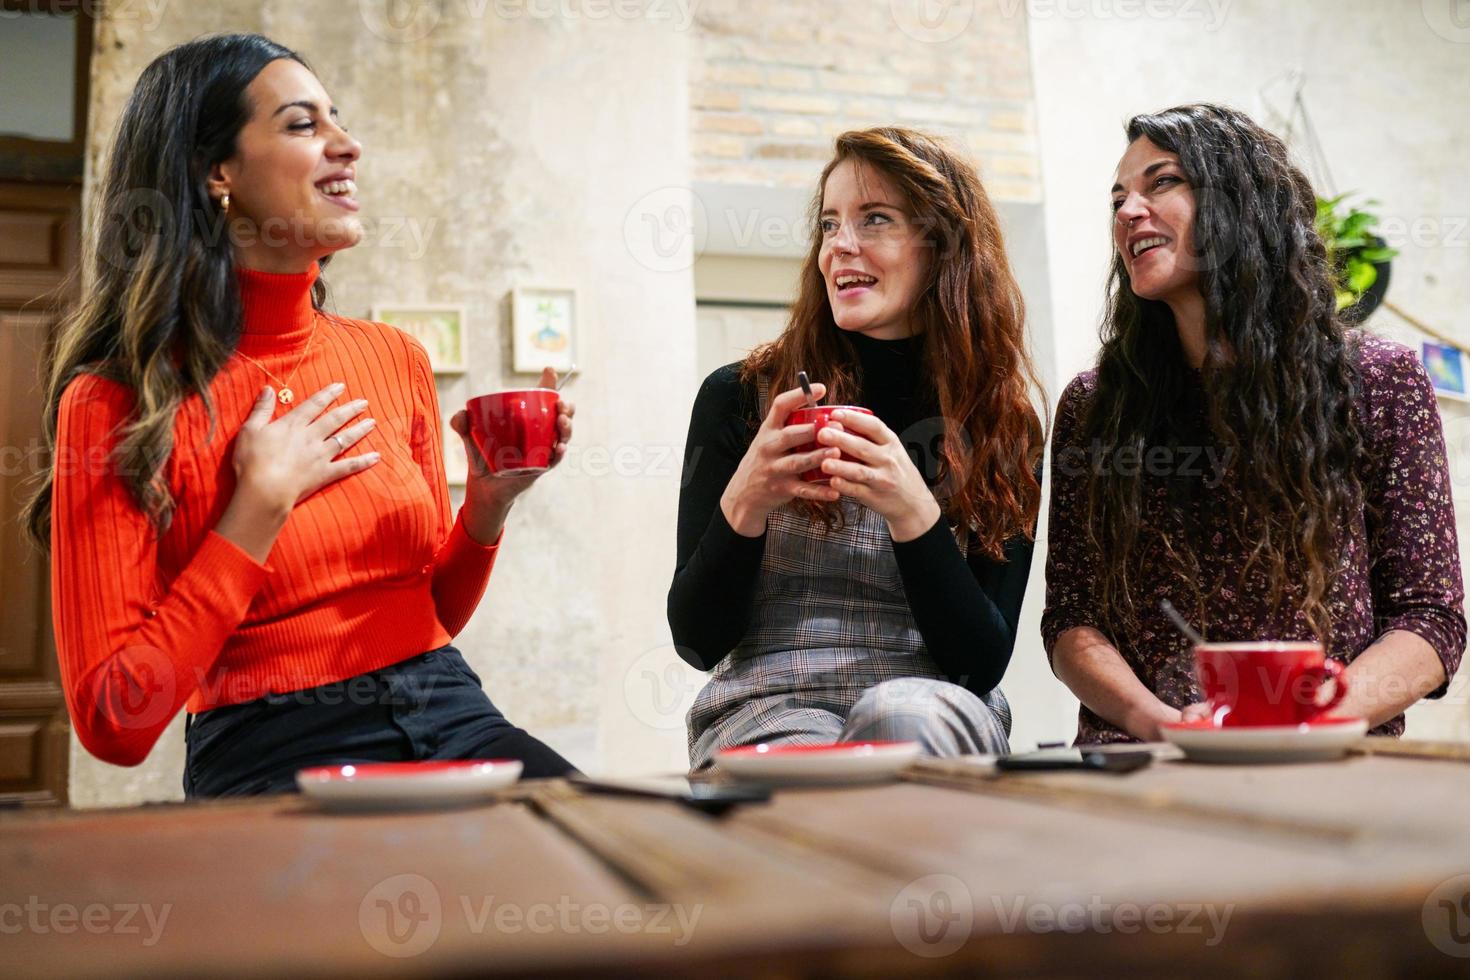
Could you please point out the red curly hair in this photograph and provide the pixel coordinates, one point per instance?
(973, 321)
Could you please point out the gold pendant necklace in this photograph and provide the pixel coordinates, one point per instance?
(284, 394)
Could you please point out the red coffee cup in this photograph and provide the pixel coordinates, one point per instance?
(821, 416)
(515, 430)
(1267, 682)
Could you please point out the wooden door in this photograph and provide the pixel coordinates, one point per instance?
(38, 253)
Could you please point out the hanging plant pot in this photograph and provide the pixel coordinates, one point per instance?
(1359, 258)
(1371, 297)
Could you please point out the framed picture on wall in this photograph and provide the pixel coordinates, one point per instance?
(1445, 364)
(544, 328)
(438, 327)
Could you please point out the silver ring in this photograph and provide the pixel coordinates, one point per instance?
(341, 446)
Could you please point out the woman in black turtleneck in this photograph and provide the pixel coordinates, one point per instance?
(884, 605)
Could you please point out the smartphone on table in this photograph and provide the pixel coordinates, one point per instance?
(1061, 757)
(709, 797)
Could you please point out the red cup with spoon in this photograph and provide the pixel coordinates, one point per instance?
(819, 416)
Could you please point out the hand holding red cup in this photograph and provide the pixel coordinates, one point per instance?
(819, 417)
(770, 473)
(511, 438)
(516, 431)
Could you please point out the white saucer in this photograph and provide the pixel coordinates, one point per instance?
(405, 785)
(1315, 741)
(844, 762)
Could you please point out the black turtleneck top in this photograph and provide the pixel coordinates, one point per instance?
(965, 608)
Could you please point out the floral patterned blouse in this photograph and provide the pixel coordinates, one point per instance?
(1400, 571)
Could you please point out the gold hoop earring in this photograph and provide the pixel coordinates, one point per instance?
(224, 204)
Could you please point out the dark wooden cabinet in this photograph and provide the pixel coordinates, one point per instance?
(38, 253)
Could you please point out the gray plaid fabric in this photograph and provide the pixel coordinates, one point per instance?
(944, 718)
(829, 624)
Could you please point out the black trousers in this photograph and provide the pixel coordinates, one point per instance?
(427, 707)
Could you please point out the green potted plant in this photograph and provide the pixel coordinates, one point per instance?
(1361, 258)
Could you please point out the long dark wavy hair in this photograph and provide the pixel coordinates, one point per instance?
(1279, 379)
(973, 321)
(160, 306)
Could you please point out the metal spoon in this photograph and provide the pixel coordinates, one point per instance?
(566, 377)
(1180, 622)
(806, 386)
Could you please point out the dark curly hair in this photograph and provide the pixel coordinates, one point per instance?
(1279, 379)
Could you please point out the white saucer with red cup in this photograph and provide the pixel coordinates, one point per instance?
(1265, 705)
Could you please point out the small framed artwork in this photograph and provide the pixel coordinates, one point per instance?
(1445, 364)
(544, 326)
(439, 328)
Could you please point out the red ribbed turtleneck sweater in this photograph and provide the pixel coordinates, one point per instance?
(368, 571)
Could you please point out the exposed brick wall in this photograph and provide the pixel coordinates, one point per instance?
(772, 82)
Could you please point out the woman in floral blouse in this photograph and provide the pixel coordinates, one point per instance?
(1236, 452)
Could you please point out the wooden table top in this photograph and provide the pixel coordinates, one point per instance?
(1360, 866)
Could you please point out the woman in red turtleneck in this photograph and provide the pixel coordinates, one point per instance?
(247, 511)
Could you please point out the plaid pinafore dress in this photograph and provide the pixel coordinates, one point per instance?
(829, 620)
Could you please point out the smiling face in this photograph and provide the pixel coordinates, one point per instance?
(292, 180)
(872, 259)
(1153, 223)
